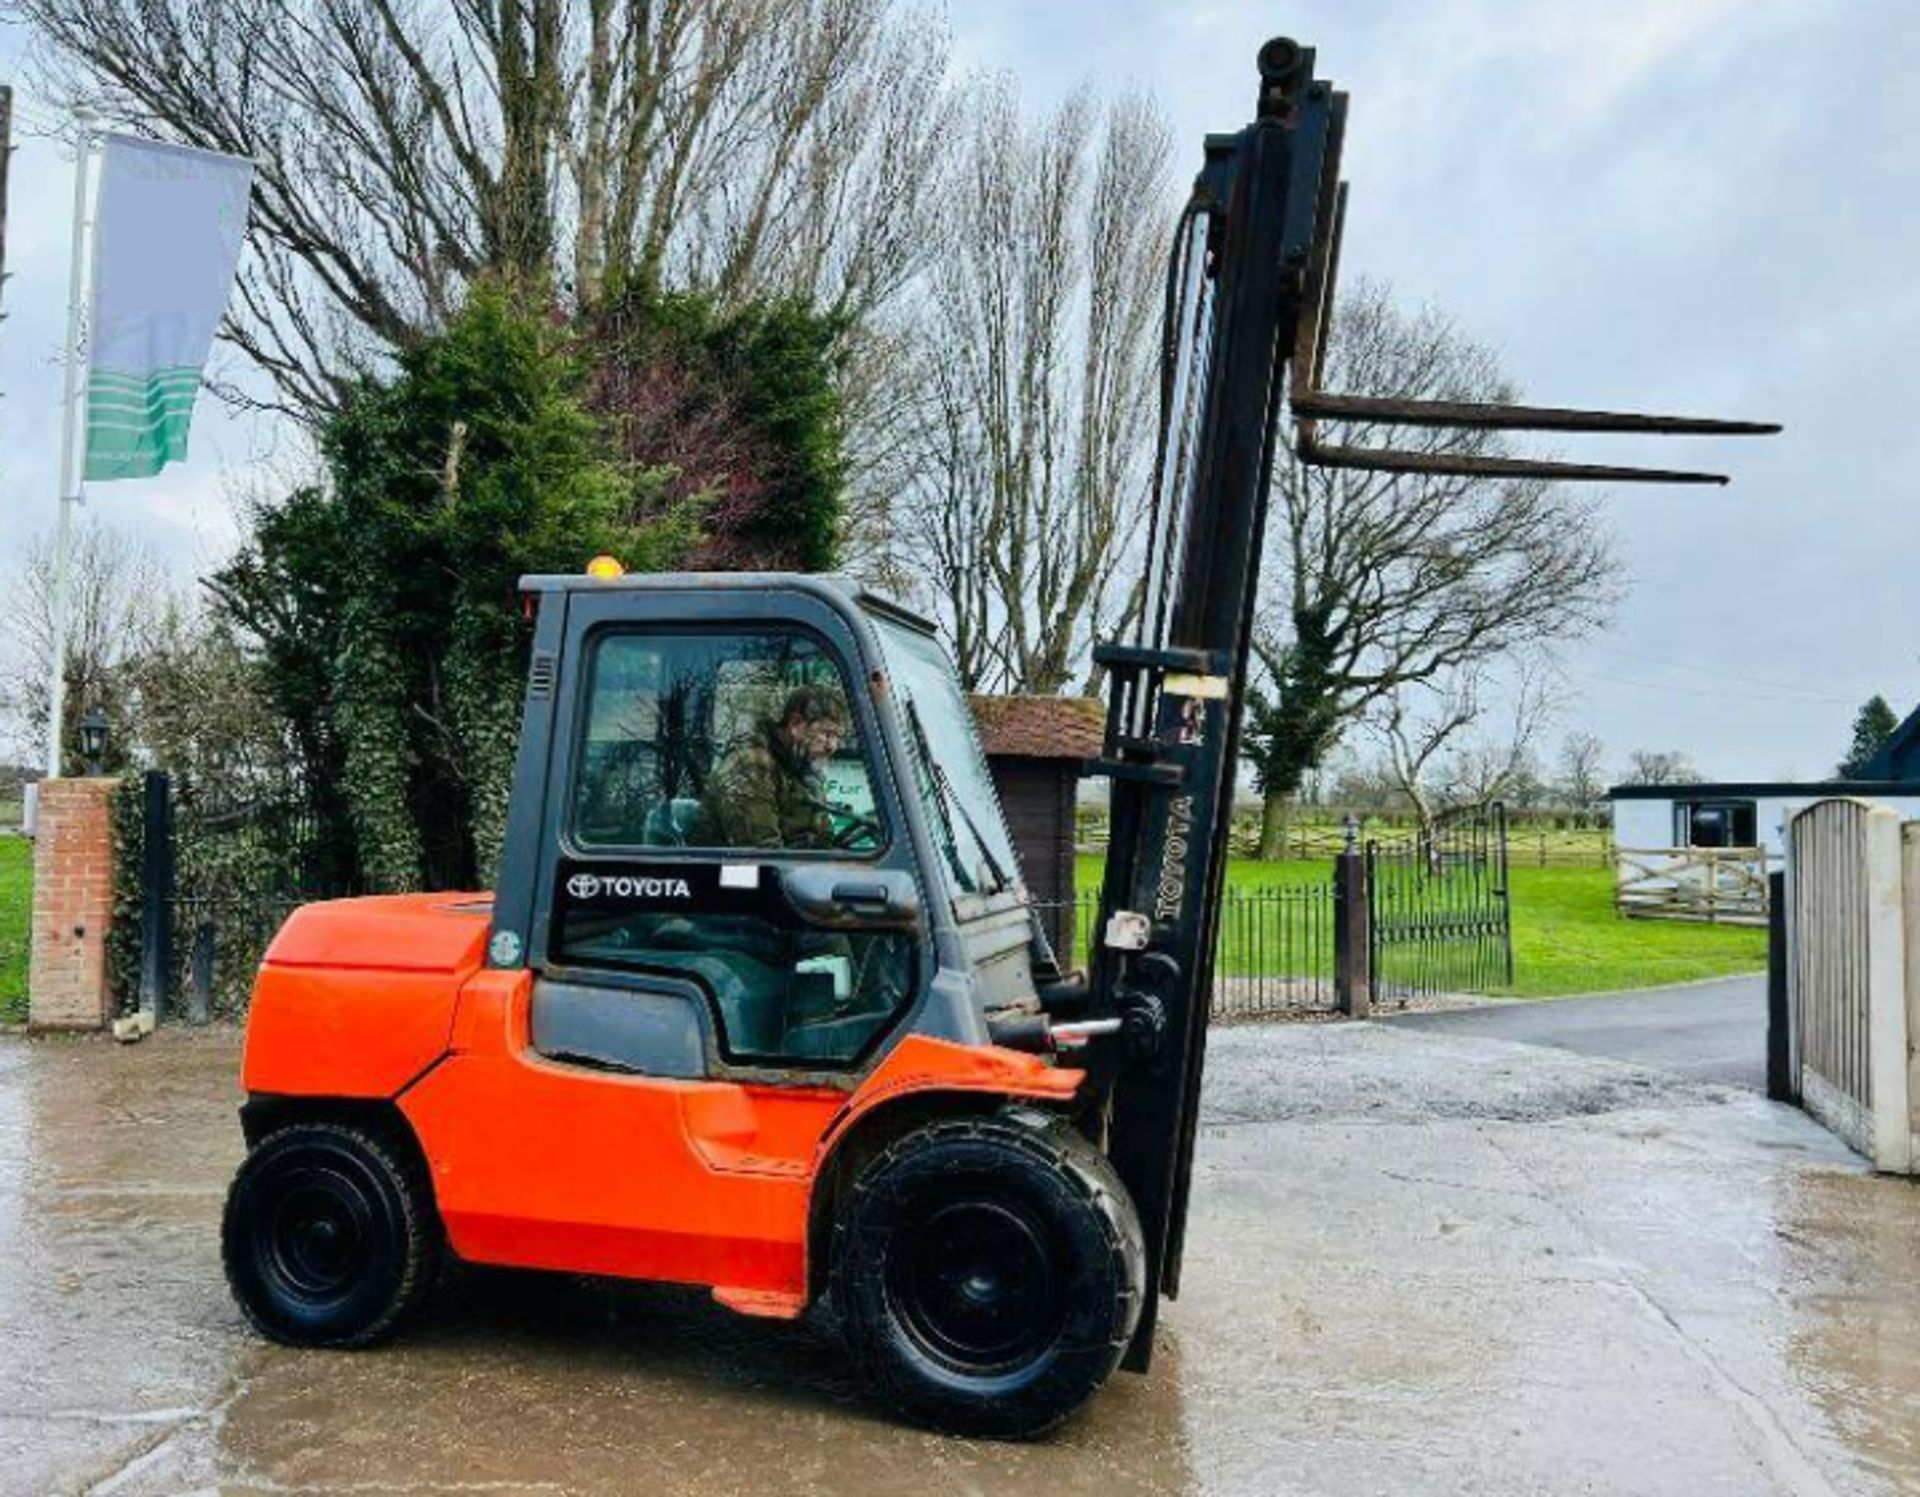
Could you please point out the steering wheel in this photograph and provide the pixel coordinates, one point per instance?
(857, 834)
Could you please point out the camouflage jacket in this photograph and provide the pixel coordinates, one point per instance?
(762, 795)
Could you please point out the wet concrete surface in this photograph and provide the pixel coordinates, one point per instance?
(1418, 1262)
(1710, 1031)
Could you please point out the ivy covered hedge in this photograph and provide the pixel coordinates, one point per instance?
(383, 601)
(126, 811)
(740, 408)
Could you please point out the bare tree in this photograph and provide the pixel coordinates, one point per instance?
(1659, 767)
(1362, 783)
(1026, 467)
(1438, 747)
(1582, 773)
(1416, 722)
(175, 685)
(194, 699)
(1500, 762)
(404, 146)
(116, 598)
(1382, 581)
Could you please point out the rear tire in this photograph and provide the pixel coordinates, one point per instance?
(989, 1273)
(329, 1236)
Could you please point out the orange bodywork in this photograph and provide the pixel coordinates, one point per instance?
(542, 1164)
(356, 997)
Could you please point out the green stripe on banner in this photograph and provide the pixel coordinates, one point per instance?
(102, 391)
(183, 374)
(137, 424)
(131, 408)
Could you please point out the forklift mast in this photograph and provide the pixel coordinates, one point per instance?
(1250, 295)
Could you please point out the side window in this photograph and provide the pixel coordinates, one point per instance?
(710, 762)
(737, 741)
(1716, 823)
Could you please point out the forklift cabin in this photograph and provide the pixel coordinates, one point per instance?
(659, 947)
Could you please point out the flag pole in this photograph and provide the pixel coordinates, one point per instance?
(70, 473)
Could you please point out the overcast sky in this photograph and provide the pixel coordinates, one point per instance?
(1696, 206)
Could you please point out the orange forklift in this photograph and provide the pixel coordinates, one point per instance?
(759, 1002)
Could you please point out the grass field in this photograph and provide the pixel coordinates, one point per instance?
(1566, 937)
(16, 899)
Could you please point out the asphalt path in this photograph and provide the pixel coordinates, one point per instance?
(1710, 1031)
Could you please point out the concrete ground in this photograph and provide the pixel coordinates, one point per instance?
(1709, 1031)
(1420, 1261)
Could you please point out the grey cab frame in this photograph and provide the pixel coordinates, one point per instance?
(673, 1018)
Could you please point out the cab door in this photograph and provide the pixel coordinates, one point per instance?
(725, 928)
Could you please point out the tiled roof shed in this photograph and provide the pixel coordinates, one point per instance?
(1034, 746)
(1039, 727)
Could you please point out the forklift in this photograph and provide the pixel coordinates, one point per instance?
(759, 1003)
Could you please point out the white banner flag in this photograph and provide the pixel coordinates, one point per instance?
(168, 230)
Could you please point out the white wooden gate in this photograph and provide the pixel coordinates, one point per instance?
(1721, 885)
(1848, 919)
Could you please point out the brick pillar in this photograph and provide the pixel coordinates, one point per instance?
(72, 905)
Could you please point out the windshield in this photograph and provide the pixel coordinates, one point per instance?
(949, 769)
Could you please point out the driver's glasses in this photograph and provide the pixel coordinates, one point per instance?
(823, 738)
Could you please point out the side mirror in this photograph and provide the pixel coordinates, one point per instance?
(850, 896)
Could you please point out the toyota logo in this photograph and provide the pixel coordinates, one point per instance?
(584, 886)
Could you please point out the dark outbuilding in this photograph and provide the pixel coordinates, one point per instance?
(1035, 746)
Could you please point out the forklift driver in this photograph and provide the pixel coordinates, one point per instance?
(768, 792)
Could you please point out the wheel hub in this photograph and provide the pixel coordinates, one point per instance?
(976, 1285)
(317, 1238)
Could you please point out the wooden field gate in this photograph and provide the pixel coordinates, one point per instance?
(1717, 885)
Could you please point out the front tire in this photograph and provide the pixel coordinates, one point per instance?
(989, 1273)
(329, 1236)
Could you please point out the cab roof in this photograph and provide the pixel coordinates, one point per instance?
(838, 583)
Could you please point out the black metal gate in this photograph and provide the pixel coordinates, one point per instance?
(1276, 954)
(220, 875)
(1441, 910)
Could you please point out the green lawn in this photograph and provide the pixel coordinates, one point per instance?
(16, 899)
(1566, 937)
